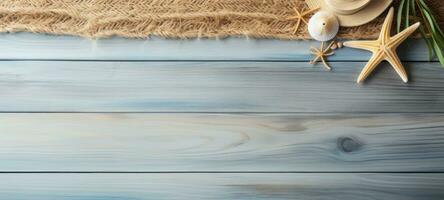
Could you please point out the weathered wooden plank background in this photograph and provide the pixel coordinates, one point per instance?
(222, 142)
(26, 46)
(214, 119)
(215, 87)
(221, 186)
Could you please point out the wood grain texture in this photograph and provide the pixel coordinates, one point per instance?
(40, 86)
(221, 142)
(37, 46)
(208, 155)
(221, 186)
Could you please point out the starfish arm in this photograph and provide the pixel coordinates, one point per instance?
(393, 59)
(369, 45)
(325, 63)
(370, 66)
(310, 11)
(297, 16)
(315, 51)
(315, 60)
(297, 12)
(396, 40)
(386, 26)
(296, 28)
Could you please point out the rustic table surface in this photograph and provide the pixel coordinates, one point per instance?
(118, 119)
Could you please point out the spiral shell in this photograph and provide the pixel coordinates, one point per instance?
(323, 26)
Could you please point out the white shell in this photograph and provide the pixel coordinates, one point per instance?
(323, 26)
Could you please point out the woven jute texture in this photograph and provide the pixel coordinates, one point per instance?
(169, 18)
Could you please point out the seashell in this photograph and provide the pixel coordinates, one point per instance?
(323, 26)
(340, 45)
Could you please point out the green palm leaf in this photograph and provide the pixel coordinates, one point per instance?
(418, 10)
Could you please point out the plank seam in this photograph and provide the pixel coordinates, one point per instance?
(198, 61)
(221, 172)
(198, 112)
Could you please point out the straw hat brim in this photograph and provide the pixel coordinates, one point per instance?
(363, 16)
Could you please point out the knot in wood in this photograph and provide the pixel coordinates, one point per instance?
(348, 145)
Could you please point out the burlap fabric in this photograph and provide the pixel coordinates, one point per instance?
(168, 18)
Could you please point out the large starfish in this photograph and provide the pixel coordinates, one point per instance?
(384, 48)
(300, 17)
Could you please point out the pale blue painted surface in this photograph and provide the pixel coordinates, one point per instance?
(181, 79)
(228, 186)
(32, 46)
(71, 86)
(202, 142)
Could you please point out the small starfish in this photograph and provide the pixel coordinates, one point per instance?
(321, 54)
(384, 48)
(300, 17)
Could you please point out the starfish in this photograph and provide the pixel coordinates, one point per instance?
(300, 17)
(321, 53)
(384, 48)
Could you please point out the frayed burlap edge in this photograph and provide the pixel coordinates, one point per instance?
(166, 18)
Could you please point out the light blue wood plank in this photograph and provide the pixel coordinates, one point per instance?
(41, 86)
(221, 142)
(38, 46)
(221, 186)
